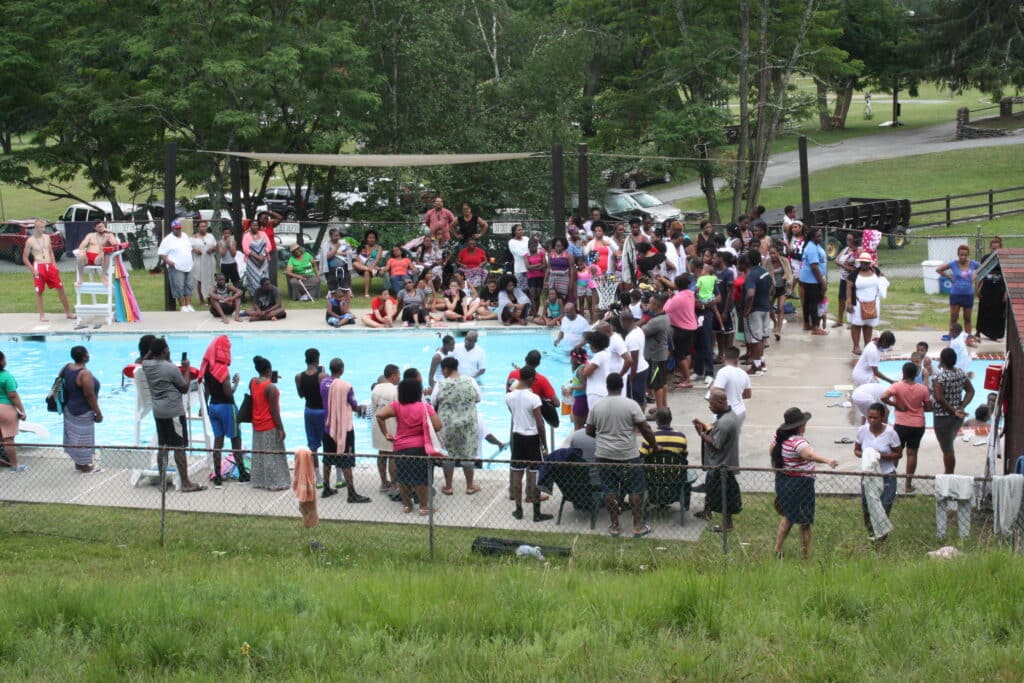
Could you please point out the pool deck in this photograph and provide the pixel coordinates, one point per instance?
(801, 369)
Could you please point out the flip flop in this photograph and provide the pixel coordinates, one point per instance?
(613, 532)
(833, 394)
(472, 489)
(644, 530)
(446, 491)
(844, 440)
(194, 489)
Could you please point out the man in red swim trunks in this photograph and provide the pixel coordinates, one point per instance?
(96, 245)
(38, 258)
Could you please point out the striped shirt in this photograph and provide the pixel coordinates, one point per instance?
(668, 440)
(791, 460)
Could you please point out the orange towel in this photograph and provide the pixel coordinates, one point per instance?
(217, 358)
(339, 412)
(304, 486)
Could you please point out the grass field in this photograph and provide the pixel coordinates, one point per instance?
(88, 595)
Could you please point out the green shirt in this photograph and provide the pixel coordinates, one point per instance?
(7, 385)
(303, 265)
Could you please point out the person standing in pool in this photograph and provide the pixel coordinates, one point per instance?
(220, 386)
(167, 382)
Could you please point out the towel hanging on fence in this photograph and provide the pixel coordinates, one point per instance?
(304, 486)
(953, 492)
(1007, 494)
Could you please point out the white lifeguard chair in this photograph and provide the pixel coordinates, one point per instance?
(100, 295)
(200, 433)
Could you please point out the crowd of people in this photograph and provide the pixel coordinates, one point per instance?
(639, 309)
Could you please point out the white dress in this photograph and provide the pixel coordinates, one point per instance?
(205, 263)
(866, 289)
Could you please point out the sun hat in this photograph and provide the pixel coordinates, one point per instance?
(793, 418)
(865, 257)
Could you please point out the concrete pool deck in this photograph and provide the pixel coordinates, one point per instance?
(801, 369)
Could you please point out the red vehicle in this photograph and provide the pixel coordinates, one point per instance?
(14, 234)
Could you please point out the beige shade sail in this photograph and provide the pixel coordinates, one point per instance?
(379, 160)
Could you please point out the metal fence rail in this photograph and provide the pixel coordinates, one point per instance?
(679, 504)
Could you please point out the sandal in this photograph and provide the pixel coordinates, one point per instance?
(472, 489)
(424, 512)
(447, 490)
(844, 440)
(613, 532)
(407, 509)
(856, 351)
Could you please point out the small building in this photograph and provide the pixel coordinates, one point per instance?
(1011, 262)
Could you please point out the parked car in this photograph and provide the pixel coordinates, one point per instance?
(14, 234)
(651, 206)
(292, 202)
(137, 220)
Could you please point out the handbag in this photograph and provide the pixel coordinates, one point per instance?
(868, 309)
(432, 443)
(245, 410)
(55, 397)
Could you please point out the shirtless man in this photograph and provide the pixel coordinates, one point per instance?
(38, 258)
(91, 248)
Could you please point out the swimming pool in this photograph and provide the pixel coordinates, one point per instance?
(894, 369)
(35, 360)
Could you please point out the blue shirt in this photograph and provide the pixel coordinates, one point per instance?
(812, 254)
(962, 279)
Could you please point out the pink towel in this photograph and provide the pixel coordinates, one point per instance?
(339, 412)
(304, 486)
(217, 358)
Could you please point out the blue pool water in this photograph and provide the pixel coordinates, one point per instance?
(894, 369)
(34, 361)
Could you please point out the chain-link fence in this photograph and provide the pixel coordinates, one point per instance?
(740, 512)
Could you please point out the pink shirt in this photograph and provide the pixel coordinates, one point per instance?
(409, 430)
(681, 310)
(440, 223)
(247, 240)
(912, 397)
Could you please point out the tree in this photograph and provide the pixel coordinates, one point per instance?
(96, 125)
(978, 43)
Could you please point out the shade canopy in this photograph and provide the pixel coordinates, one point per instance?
(380, 160)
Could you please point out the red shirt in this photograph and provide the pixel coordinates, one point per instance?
(410, 428)
(472, 259)
(262, 418)
(541, 386)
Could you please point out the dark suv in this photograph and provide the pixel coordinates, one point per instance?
(292, 203)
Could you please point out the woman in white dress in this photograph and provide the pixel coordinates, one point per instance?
(204, 250)
(863, 300)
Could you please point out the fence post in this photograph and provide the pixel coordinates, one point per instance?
(725, 510)
(161, 460)
(949, 212)
(977, 241)
(430, 514)
(991, 204)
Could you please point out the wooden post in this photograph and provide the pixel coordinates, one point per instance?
(170, 201)
(236, 199)
(805, 184)
(949, 214)
(991, 204)
(583, 181)
(557, 190)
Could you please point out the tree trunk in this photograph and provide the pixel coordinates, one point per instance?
(843, 99)
(743, 148)
(824, 117)
(707, 186)
(5, 141)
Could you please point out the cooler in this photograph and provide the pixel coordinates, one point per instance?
(932, 283)
(993, 377)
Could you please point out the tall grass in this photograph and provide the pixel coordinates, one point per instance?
(115, 608)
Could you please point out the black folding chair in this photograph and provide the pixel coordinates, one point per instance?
(667, 482)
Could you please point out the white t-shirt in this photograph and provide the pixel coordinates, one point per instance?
(597, 383)
(635, 341)
(866, 394)
(471, 361)
(963, 356)
(482, 431)
(521, 403)
(734, 381)
(884, 443)
(617, 346)
(178, 250)
(437, 372)
(869, 359)
(573, 331)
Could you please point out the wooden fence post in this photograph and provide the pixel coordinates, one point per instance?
(949, 216)
(991, 204)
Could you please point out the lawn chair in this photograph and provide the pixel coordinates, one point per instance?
(667, 482)
(578, 488)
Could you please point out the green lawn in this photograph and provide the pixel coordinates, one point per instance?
(88, 595)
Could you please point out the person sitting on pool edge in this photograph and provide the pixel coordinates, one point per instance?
(338, 313)
(225, 299)
(267, 300)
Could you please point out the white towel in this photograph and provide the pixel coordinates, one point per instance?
(869, 460)
(957, 486)
(1007, 493)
